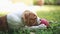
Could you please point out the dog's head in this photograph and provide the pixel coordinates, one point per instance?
(29, 18)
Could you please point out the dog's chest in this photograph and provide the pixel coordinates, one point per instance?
(15, 21)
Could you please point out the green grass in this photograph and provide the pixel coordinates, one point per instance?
(53, 16)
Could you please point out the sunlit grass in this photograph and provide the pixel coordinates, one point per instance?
(48, 8)
(54, 18)
(2, 13)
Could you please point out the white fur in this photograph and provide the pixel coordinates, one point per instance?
(41, 26)
(15, 20)
(38, 20)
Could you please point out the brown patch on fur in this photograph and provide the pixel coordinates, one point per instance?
(29, 18)
(3, 23)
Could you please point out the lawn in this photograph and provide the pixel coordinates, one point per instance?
(54, 18)
(52, 14)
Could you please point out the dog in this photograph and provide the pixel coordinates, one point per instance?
(18, 20)
(21, 20)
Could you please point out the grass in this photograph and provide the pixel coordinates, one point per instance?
(53, 16)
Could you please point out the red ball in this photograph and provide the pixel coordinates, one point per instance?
(44, 21)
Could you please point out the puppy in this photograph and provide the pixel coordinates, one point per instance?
(20, 19)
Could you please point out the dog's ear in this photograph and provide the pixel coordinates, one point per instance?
(32, 16)
(32, 19)
(25, 15)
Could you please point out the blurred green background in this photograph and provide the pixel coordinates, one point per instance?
(49, 2)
